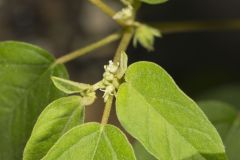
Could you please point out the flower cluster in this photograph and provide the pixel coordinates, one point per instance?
(110, 81)
(125, 14)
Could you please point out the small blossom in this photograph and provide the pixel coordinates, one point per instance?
(111, 67)
(110, 90)
(110, 81)
(124, 14)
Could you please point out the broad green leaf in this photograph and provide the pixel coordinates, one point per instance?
(26, 88)
(92, 141)
(141, 152)
(70, 87)
(154, 1)
(57, 118)
(227, 121)
(152, 108)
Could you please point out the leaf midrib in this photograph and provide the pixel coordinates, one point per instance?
(70, 146)
(69, 119)
(98, 141)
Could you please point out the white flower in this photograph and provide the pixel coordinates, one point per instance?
(109, 90)
(110, 80)
(124, 14)
(111, 67)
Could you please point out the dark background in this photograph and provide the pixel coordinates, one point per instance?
(198, 61)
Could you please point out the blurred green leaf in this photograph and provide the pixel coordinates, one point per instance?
(145, 35)
(141, 152)
(227, 121)
(222, 115)
(232, 140)
(228, 93)
(26, 88)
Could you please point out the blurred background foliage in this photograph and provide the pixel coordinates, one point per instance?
(200, 62)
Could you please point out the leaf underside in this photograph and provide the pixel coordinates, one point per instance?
(25, 89)
(158, 114)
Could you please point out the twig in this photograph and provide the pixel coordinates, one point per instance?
(197, 26)
(89, 48)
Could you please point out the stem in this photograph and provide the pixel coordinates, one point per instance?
(126, 38)
(107, 110)
(104, 7)
(127, 35)
(107, 10)
(197, 26)
(87, 49)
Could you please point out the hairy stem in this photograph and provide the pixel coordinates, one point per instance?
(197, 26)
(107, 110)
(107, 10)
(89, 48)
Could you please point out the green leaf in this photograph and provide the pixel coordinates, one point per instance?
(227, 93)
(123, 64)
(145, 35)
(70, 87)
(92, 141)
(154, 1)
(57, 118)
(222, 115)
(227, 121)
(152, 108)
(141, 152)
(232, 140)
(26, 88)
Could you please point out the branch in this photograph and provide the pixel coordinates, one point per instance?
(197, 26)
(89, 48)
(126, 38)
(107, 10)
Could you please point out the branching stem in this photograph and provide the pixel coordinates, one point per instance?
(107, 10)
(126, 38)
(89, 48)
(197, 26)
